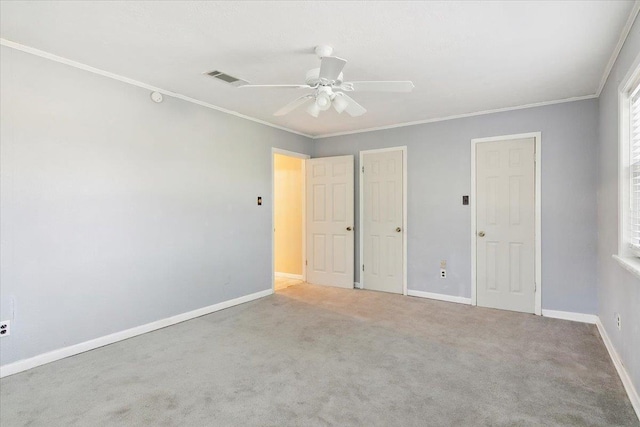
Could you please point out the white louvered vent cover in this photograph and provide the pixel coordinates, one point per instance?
(234, 81)
(634, 169)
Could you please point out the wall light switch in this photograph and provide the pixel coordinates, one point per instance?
(259, 201)
(465, 200)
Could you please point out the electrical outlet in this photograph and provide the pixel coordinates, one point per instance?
(5, 328)
(618, 323)
(443, 273)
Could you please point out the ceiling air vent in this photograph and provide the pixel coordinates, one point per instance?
(233, 81)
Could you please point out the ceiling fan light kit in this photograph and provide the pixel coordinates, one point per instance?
(339, 103)
(323, 98)
(329, 86)
(313, 109)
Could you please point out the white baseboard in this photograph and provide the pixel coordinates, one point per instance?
(440, 297)
(568, 315)
(622, 371)
(52, 356)
(357, 285)
(288, 275)
(632, 392)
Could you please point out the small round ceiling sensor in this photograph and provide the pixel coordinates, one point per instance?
(156, 97)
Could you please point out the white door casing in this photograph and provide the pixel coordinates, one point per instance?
(505, 224)
(330, 221)
(383, 220)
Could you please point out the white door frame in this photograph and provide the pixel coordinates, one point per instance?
(275, 151)
(538, 211)
(404, 212)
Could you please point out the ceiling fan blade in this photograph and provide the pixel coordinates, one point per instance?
(281, 86)
(353, 109)
(331, 67)
(293, 105)
(405, 86)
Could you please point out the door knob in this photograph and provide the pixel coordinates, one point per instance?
(398, 229)
(349, 228)
(481, 234)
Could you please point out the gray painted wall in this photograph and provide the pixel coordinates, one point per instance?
(117, 211)
(439, 174)
(618, 290)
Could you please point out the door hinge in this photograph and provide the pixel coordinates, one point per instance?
(362, 267)
(306, 262)
(363, 169)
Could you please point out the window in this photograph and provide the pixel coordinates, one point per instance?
(629, 169)
(633, 223)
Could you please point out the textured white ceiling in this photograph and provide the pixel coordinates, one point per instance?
(463, 57)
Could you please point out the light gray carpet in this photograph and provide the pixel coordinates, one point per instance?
(317, 356)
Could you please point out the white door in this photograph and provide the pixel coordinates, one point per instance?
(330, 241)
(383, 228)
(505, 224)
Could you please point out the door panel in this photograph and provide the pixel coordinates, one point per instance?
(505, 225)
(330, 247)
(382, 217)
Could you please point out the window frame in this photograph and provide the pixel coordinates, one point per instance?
(627, 256)
(633, 92)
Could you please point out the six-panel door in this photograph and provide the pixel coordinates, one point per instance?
(383, 221)
(329, 211)
(505, 224)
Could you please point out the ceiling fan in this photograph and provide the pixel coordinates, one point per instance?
(329, 88)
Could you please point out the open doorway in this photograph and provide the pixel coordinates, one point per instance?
(288, 219)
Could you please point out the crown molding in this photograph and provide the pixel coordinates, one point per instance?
(616, 51)
(81, 66)
(458, 116)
